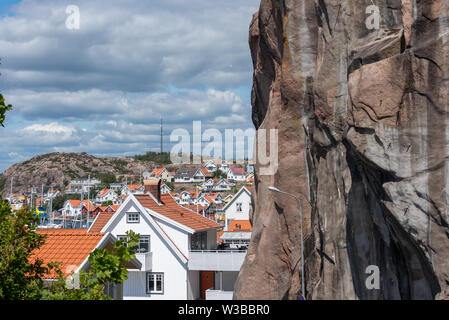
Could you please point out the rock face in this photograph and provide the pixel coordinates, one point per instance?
(363, 138)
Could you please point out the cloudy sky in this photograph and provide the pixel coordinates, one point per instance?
(102, 88)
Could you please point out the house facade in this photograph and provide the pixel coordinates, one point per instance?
(177, 250)
(236, 174)
(238, 208)
(161, 173)
(106, 195)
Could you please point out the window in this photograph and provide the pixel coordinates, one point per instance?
(155, 282)
(132, 217)
(198, 241)
(239, 206)
(143, 246)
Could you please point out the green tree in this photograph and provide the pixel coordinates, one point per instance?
(20, 274)
(3, 108)
(106, 266)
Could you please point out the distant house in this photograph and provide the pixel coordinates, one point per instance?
(238, 208)
(73, 208)
(222, 185)
(106, 195)
(236, 174)
(72, 247)
(82, 185)
(207, 174)
(211, 166)
(132, 188)
(216, 164)
(165, 189)
(161, 173)
(250, 177)
(189, 176)
(53, 193)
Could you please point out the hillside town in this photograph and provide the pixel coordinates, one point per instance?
(193, 223)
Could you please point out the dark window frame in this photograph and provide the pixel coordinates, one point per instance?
(147, 282)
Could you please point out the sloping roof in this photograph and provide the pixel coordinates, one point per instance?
(157, 172)
(177, 213)
(239, 225)
(100, 221)
(71, 247)
(238, 171)
(133, 187)
(103, 192)
(77, 203)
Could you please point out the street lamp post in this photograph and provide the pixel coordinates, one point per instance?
(274, 189)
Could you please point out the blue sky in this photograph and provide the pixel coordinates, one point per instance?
(103, 88)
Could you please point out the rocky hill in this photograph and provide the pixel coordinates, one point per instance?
(63, 167)
(362, 114)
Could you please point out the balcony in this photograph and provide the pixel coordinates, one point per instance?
(218, 295)
(216, 260)
(146, 259)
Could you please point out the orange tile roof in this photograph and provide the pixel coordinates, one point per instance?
(103, 192)
(174, 211)
(133, 187)
(100, 221)
(239, 225)
(68, 246)
(77, 203)
(157, 172)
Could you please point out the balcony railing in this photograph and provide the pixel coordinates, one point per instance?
(216, 260)
(146, 259)
(218, 295)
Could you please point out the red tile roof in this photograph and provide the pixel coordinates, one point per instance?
(68, 246)
(238, 171)
(100, 221)
(174, 211)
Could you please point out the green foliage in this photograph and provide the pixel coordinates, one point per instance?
(3, 108)
(106, 266)
(20, 276)
(106, 178)
(2, 182)
(170, 185)
(107, 203)
(157, 157)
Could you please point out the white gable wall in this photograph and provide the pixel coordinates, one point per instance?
(231, 212)
(164, 259)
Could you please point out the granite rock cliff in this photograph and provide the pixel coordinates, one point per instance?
(362, 120)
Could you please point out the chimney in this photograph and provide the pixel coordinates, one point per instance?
(154, 187)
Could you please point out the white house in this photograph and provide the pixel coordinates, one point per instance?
(177, 250)
(72, 208)
(238, 207)
(165, 189)
(236, 174)
(132, 188)
(222, 185)
(106, 195)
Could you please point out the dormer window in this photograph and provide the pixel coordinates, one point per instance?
(132, 217)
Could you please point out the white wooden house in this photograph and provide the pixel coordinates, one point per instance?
(106, 195)
(236, 174)
(239, 206)
(177, 250)
(222, 185)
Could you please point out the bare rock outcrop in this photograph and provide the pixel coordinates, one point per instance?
(362, 120)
